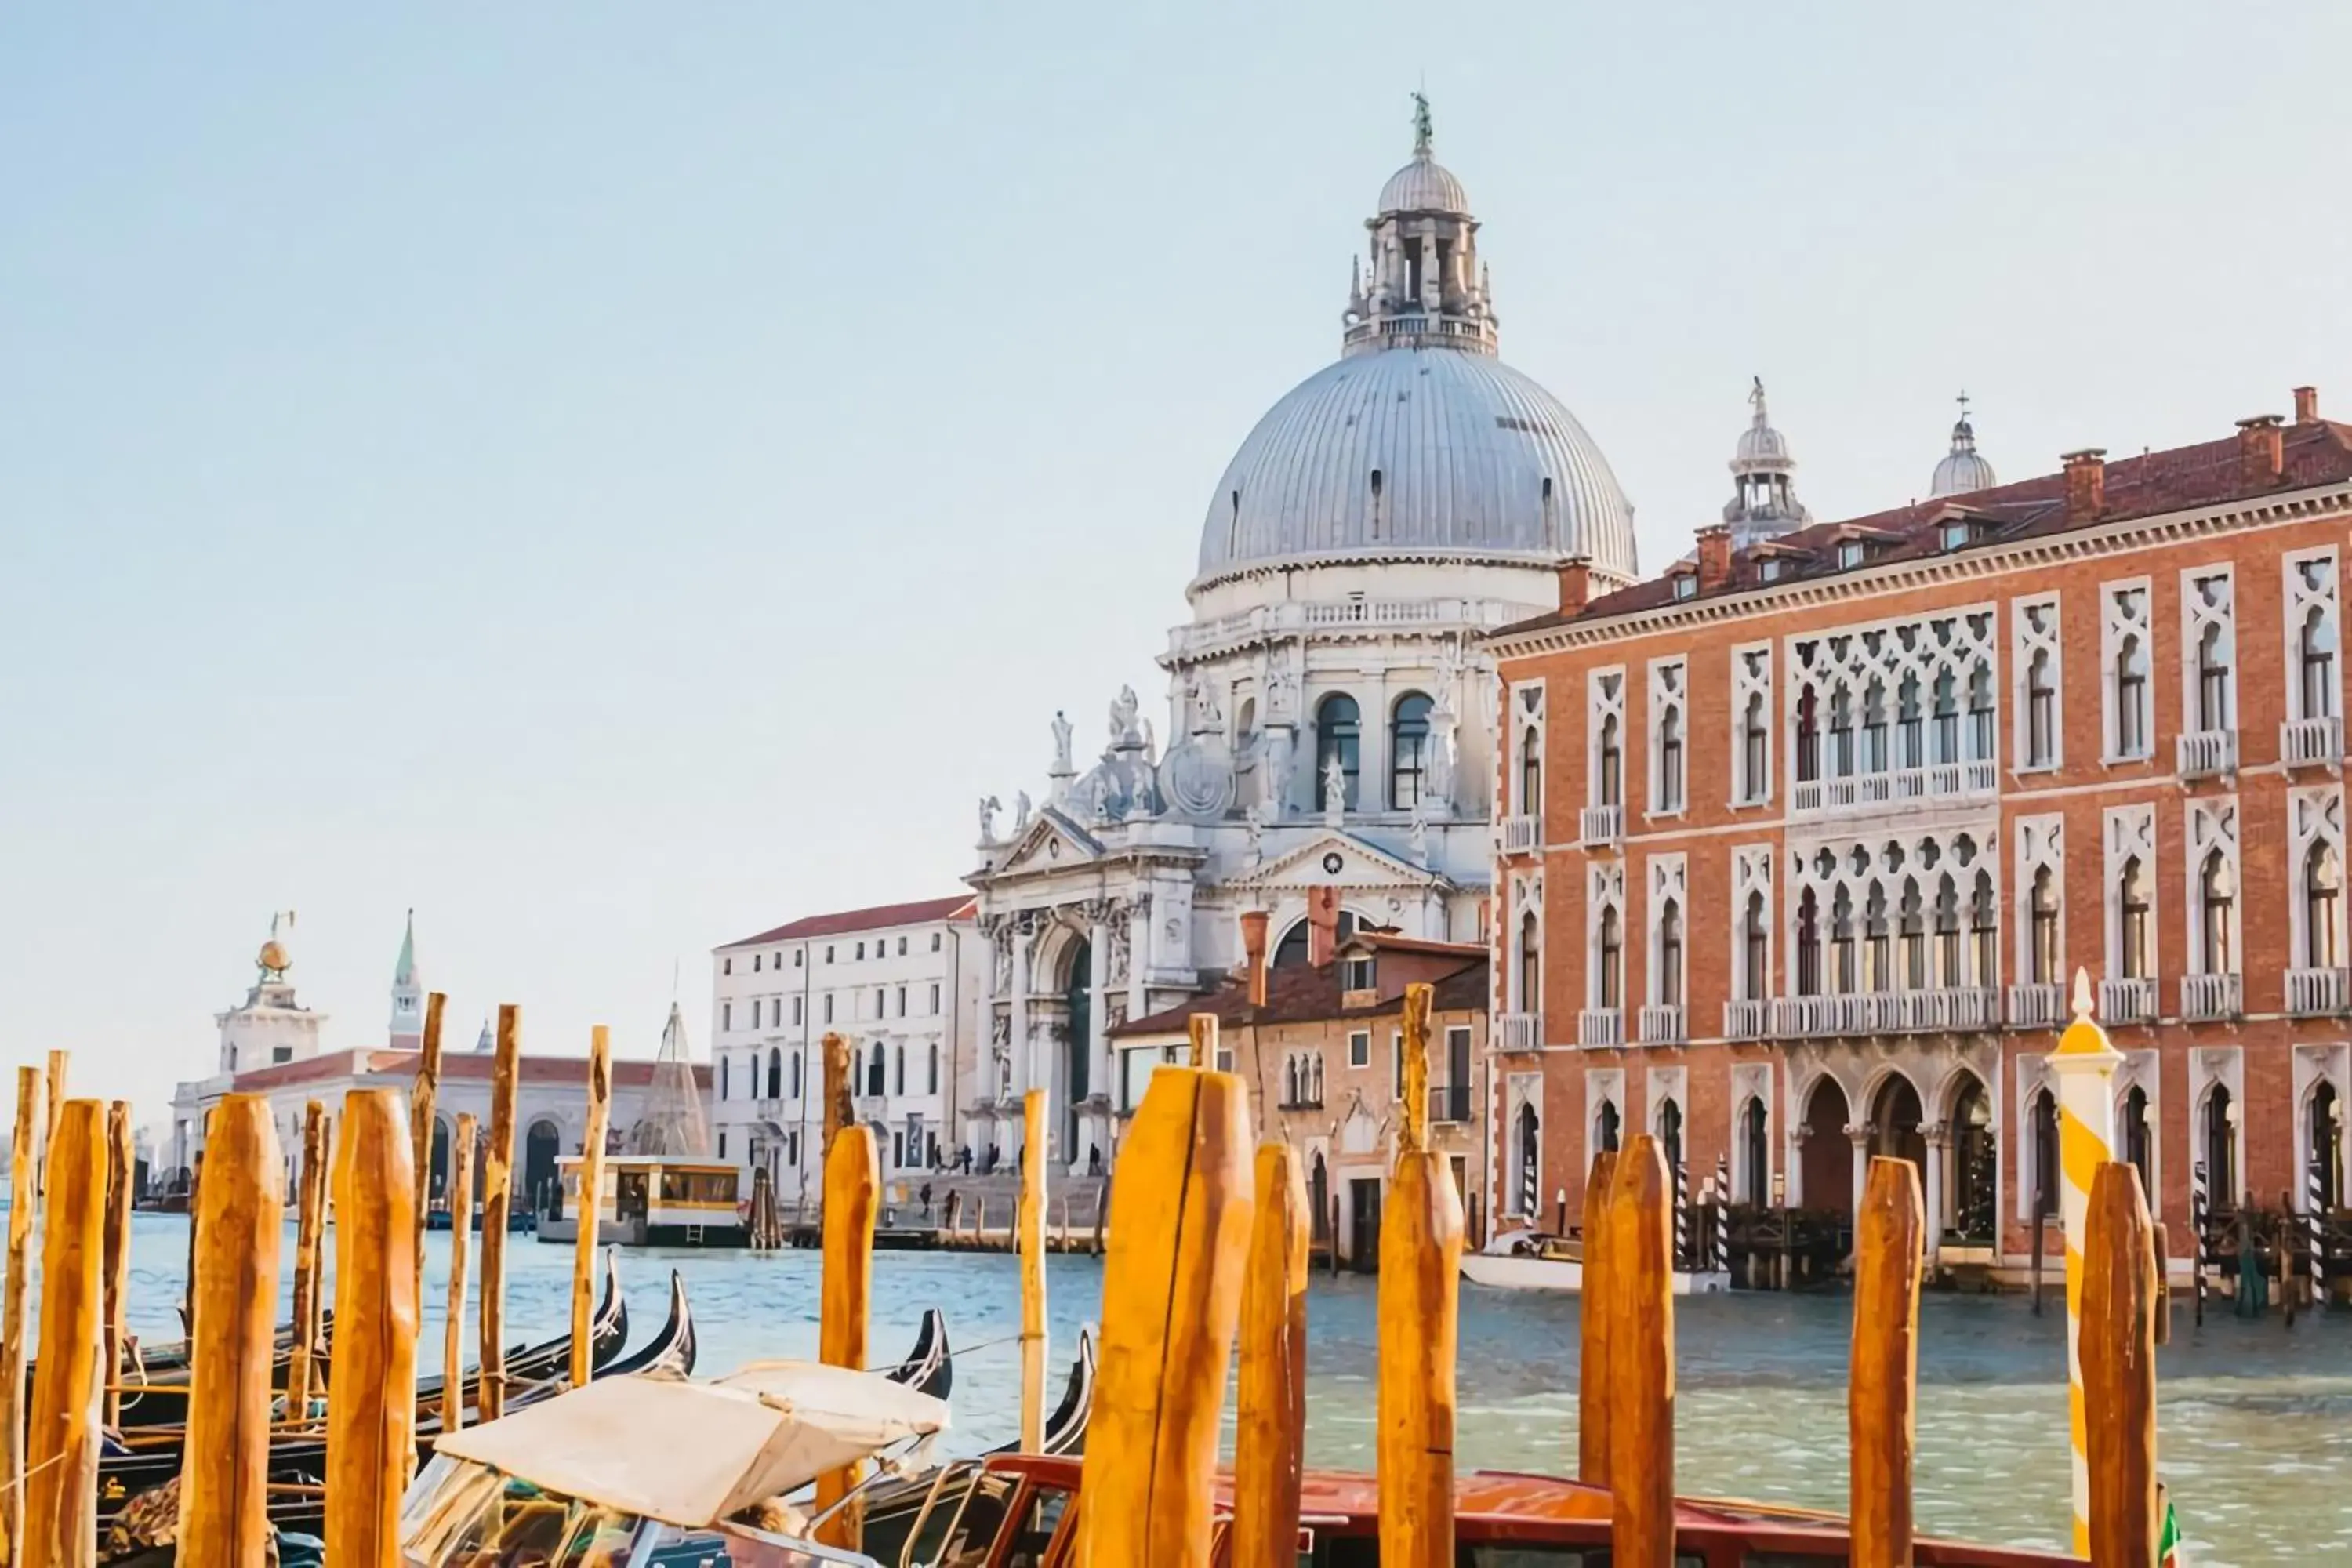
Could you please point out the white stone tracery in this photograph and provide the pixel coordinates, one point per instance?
(1886, 712)
(1669, 884)
(2127, 648)
(2208, 635)
(1752, 896)
(1524, 788)
(2037, 662)
(1605, 723)
(1751, 708)
(2130, 835)
(1604, 894)
(2210, 828)
(1669, 719)
(2315, 817)
(1893, 914)
(2312, 623)
(2041, 847)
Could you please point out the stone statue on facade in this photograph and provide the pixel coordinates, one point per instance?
(1208, 716)
(1335, 790)
(988, 807)
(1420, 835)
(1254, 820)
(1062, 764)
(1277, 763)
(1123, 709)
(1021, 809)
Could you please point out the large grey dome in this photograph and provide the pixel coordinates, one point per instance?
(1418, 451)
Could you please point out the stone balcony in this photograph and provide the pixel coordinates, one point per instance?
(1521, 835)
(2206, 998)
(1296, 617)
(1747, 1019)
(2311, 742)
(1601, 825)
(2127, 1001)
(1661, 1024)
(1518, 1031)
(2037, 1006)
(1937, 1011)
(2318, 993)
(2206, 753)
(1599, 1028)
(1894, 788)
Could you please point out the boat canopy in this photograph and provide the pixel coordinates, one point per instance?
(694, 1453)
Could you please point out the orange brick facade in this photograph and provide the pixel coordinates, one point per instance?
(1874, 1023)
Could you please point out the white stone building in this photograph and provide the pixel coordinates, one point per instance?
(1329, 715)
(271, 1045)
(900, 981)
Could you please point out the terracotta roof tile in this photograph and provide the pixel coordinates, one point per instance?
(1299, 995)
(844, 922)
(2178, 479)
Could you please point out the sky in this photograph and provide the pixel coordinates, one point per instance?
(614, 478)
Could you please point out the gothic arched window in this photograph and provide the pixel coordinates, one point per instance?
(2323, 889)
(1670, 953)
(1530, 771)
(1408, 750)
(2217, 895)
(2131, 698)
(2316, 649)
(1530, 965)
(2138, 954)
(1338, 733)
(1757, 948)
(1613, 959)
(2045, 928)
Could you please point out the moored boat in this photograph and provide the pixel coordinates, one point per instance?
(1533, 1260)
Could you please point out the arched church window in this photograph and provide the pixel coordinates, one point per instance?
(1338, 732)
(1408, 750)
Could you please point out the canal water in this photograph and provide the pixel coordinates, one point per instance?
(2255, 1422)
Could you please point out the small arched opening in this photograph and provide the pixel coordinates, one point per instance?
(1828, 1157)
(1755, 1149)
(541, 1146)
(1895, 1118)
(1974, 1162)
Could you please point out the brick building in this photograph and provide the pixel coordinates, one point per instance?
(1801, 842)
(1321, 1047)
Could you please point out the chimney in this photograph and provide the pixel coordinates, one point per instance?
(1575, 583)
(1322, 926)
(1253, 953)
(2086, 483)
(1714, 557)
(2306, 406)
(2262, 450)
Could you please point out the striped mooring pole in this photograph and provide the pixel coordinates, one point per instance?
(2200, 1211)
(2314, 1216)
(1682, 1214)
(2086, 1064)
(1722, 1259)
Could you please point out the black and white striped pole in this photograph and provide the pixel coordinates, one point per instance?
(1682, 1214)
(2200, 1210)
(2315, 1218)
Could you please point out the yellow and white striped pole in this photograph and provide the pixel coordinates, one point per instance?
(2086, 1064)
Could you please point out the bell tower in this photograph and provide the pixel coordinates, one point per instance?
(407, 1032)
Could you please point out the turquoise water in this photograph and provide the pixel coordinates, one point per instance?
(2255, 1425)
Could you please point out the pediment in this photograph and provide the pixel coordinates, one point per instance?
(1334, 859)
(1050, 842)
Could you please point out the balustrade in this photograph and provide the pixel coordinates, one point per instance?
(1662, 1022)
(2037, 1006)
(1895, 787)
(1598, 1028)
(1522, 835)
(2205, 997)
(2127, 1001)
(1746, 1019)
(1520, 1031)
(2310, 743)
(1603, 824)
(2202, 753)
(2318, 993)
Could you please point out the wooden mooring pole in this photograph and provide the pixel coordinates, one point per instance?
(2120, 1293)
(1179, 1240)
(23, 1182)
(1592, 1391)
(1883, 1387)
(592, 1205)
(370, 1416)
(1641, 1307)
(309, 1224)
(423, 1098)
(55, 1102)
(846, 1288)
(1421, 1263)
(61, 1487)
(225, 1466)
(1029, 1228)
(1270, 1434)
(461, 1233)
(121, 1167)
(497, 1197)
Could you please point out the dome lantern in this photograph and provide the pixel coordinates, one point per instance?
(1764, 503)
(1963, 469)
(1427, 288)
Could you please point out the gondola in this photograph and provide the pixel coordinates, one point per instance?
(892, 1506)
(930, 1367)
(128, 1479)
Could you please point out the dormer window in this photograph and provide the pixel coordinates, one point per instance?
(1686, 585)
(1768, 569)
(1850, 553)
(1959, 533)
(1356, 974)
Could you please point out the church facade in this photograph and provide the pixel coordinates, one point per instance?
(1328, 710)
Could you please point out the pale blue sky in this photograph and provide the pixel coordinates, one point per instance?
(617, 476)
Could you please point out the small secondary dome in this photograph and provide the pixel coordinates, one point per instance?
(1964, 468)
(1764, 503)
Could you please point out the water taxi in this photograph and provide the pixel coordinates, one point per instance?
(652, 1200)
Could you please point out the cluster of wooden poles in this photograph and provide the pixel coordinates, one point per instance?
(78, 1178)
(1208, 1245)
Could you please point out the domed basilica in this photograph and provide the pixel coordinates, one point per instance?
(1329, 721)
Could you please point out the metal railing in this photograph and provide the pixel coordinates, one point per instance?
(1450, 1102)
(1661, 1023)
(1519, 1031)
(2307, 742)
(2204, 998)
(2127, 1001)
(1522, 835)
(2201, 754)
(2038, 1006)
(1598, 1028)
(1603, 824)
(2318, 993)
